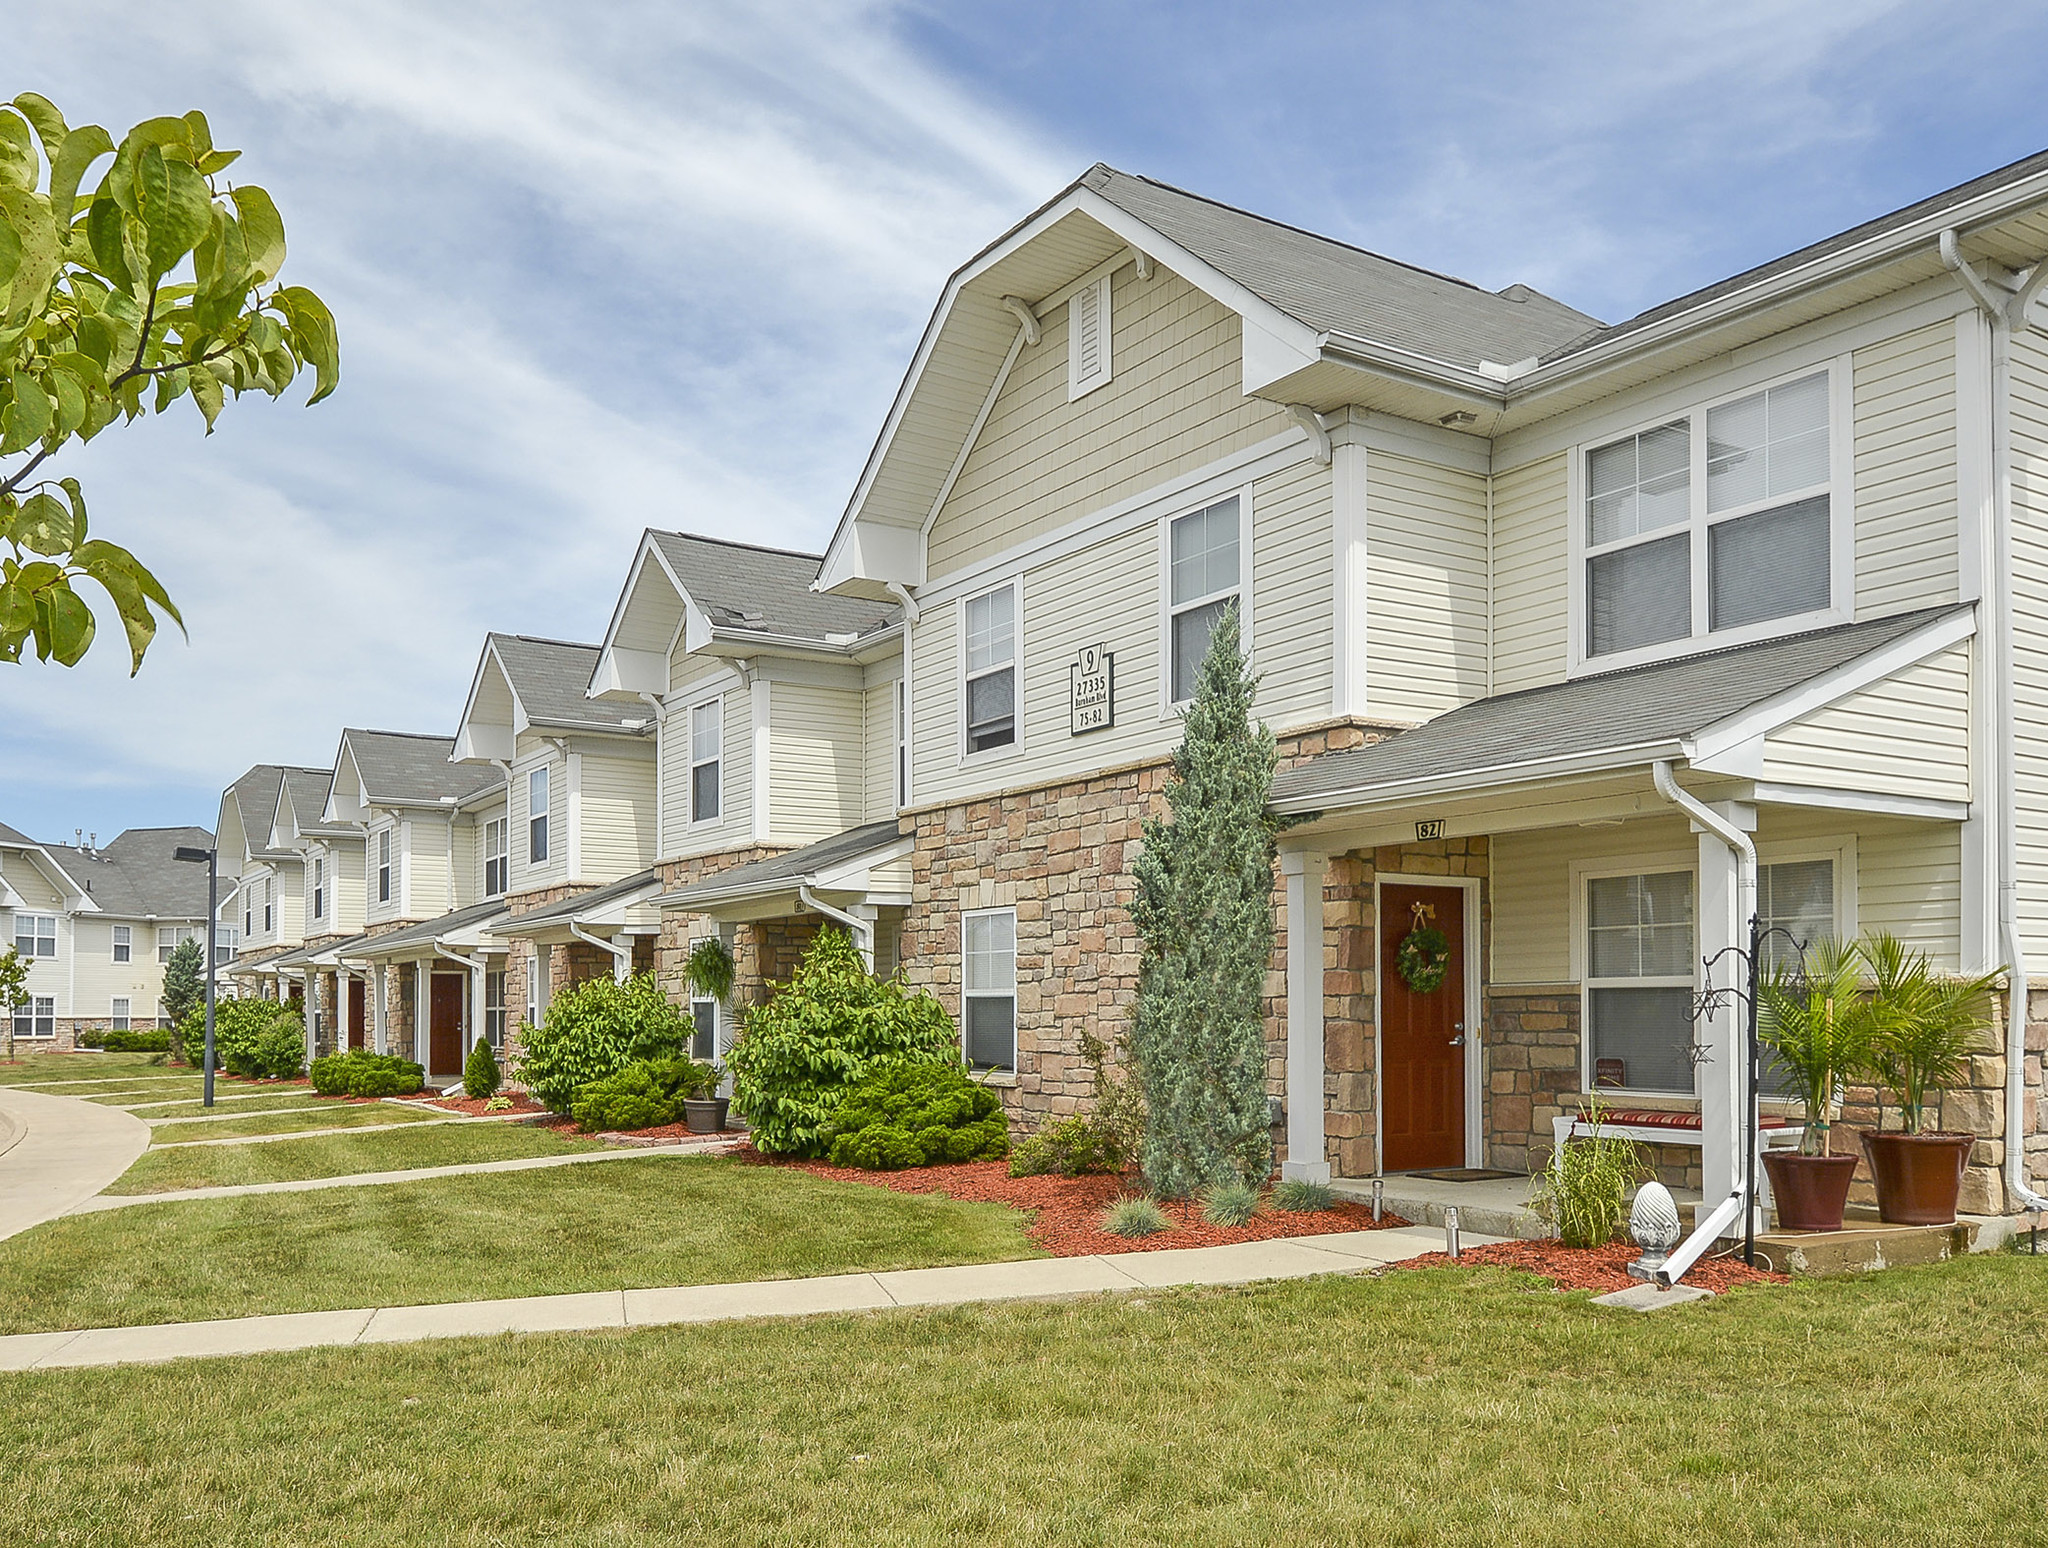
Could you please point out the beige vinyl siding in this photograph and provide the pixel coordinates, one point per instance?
(618, 816)
(94, 978)
(816, 742)
(375, 911)
(466, 873)
(1905, 418)
(1292, 626)
(1908, 735)
(554, 870)
(426, 837)
(892, 876)
(39, 895)
(879, 762)
(1425, 587)
(1174, 403)
(1531, 576)
(734, 827)
(345, 879)
(2030, 635)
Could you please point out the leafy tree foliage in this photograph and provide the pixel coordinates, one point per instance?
(596, 1029)
(185, 980)
(1205, 910)
(821, 1034)
(159, 285)
(250, 1037)
(13, 992)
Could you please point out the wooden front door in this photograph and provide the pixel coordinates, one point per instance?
(445, 1043)
(355, 1013)
(1422, 1036)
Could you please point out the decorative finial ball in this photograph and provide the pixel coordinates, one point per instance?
(1653, 1220)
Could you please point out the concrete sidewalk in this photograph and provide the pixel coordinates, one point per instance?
(1298, 1257)
(66, 1152)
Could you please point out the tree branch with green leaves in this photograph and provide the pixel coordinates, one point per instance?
(161, 285)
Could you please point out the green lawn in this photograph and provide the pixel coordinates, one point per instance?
(618, 1224)
(30, 1068)
(1449, 1406)
(241, 1101)
(286, 1120)
(336, 1155)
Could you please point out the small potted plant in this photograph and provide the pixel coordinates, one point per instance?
(1925, 1027)
(1817, 1024)
(704, 1109)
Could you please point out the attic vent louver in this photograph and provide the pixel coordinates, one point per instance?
(1088, 332)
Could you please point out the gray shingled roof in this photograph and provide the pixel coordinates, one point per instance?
(308, 790)
(134, 876)
(399, 768)
(1641, 706)
(549, 677)
(582, 903)
(430, 931)
(1336, 288)
(785, 871)
(765, 589)
(13, 836)
(255, 795)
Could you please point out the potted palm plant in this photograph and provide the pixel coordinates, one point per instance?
(1925, 1027)
(1817, 1024)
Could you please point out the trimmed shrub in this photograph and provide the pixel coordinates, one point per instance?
(1303, 1198)
(480, 1074)
(133, 1041)
(593, 1031)
(251, 1037)
(359, 1073)
(1230, 1203)
(1135, 1216)
(1072, 1147)
(185, 981)
(820, 1035)
(918, 1115)
(642, 1095)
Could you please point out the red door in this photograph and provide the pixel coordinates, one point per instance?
(444, 1046)
(1422, 1036)
(355, 1013)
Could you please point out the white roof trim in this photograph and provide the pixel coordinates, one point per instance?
(622, 670)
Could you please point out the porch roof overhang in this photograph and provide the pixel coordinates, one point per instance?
(1588, 744)
(268, 962)
(465, 928)
(626, 906)
(841, 867)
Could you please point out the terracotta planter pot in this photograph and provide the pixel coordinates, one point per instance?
(1810, 1191)
(705, 1117)
(1918, 1175)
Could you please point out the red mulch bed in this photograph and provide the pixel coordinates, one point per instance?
(1066, 1210)
(474, 1106)
(1598, 1269)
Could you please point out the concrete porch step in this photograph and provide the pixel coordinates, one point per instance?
(1498, 1207)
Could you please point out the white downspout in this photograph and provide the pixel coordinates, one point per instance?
(863, 931)
(622, 961)
(1716, 824)
(2005, 313)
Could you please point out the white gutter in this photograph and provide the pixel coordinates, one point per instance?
(863, 931)
(2005, 312)
(622, 958)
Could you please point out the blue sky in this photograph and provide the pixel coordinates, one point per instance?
(603, 267)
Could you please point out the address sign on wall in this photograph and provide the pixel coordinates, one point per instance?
(1091, 704)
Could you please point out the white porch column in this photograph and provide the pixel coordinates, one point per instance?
(423, 1014)
(1724, 914)
(380, 1025)
(475, 1030)
(1304, 872)
(868, 914)
(543, 974)
(309, 1005)
(722, 1036)
(622, 956)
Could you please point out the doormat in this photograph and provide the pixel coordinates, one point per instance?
(1464, 1174)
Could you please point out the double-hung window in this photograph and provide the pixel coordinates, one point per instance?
(1718, 520)
(1639, 981)
(226, 938)
(494, 1009)
(495, 850)
(266, 906)
(989, 988)
(704, 1036)
(170, 937)
(707, 746)
(319, 888)
(124, 944)
(119, 1018)
(991, 660)
(1795, 908)
(36, 1017)
(384, 866)
(1204, 572)
(35, 935)
(537, 816)
(902, 741)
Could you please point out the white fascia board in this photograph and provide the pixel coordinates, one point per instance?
(340, 809)
(1816, 693)
(1534, 771)
(1404, 366)
(616, 670)
(1879, 803)
(851, 874)
(482, 744)
(628, 672)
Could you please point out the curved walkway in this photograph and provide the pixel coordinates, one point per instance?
(67, 1152)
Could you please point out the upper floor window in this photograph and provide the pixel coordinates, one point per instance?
(35, 935)
(707, 743)
(1088, 335)
(496, 848)
(1203, 578)
(537, 816)
(266, 905)
(170, 937)
(991, 661)
(902, 741)
(384, 866)
(225, 941)
(124, 944)
(1718, 520)
(319, 889)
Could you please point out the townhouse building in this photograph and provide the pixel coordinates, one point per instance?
(1582, 643)
(270, 885)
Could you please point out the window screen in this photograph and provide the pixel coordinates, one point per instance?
(990, 992)
(1203, 579)
(1639, 972)
(1639, 596)
(1772, 564)
(991, 669)
(707, 744)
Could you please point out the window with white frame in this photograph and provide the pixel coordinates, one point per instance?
(707, 747)
(902, 741)
(1639, 981)
(1088, 338)
(1717, 520)
(36, 1017)
(537, 816)
(991, 667)
(226, 940)
(249, 912)
(124, 944)
(704, 1036)
(532, 987)
(319, 888)
(384, 866)
(119, 1016)
(989, 988)
(35, 935)
(494, 1009)
(497, 847)
(1203, 578)
(170, 937)
(1796, 897)
(266, 906)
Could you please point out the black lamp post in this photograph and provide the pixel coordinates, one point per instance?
(210, 858)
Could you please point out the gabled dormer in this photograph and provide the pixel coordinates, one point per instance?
(270, 873)
(420, 817)
(331, 855)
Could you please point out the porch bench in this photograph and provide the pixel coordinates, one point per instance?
(1660, 1126)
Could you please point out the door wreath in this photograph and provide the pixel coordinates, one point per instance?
(1424, 955)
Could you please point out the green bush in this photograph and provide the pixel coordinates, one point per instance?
(1230, 1203)
(1072, 1147)
(918, 1115)
(642, 1095)
(251, 1037)
(820, 1035)
(596, 1029)
(1135, 1216)
(359, 1073)
(480, 1075)
(1303, 1198)
(1583, 1192)
(134, 1041)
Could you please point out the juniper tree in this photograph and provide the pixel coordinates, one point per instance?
(1205, 911)
(184, 980)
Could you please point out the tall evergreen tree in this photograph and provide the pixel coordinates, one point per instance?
(184, 981)
(1205, 911)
